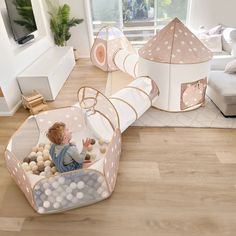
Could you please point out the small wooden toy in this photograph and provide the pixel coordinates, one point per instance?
(34, 102)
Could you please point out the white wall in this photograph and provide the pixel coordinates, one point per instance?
(209, 13)
(80, 34)
(15, 58)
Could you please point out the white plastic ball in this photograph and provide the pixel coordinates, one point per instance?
(55, 184)
(68, 190)
(25, 166)
(46, 204)
(45, 185)
(48, 192)
(79, 195)
(69, 197)
(59, 199)
(47, 146)
(80, 184)
(61, 180)
(56, 205)
(73, 185)
(41, 210)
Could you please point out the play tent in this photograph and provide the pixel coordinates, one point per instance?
(108, 41)
(179, 63)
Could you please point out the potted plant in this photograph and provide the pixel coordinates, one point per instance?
(60, 22)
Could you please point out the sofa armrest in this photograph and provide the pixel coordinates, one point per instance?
(219, 62)
(228, 39)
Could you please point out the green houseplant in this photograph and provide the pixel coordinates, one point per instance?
(60, 22)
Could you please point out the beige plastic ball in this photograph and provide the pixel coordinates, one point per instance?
(54, 169)
(47, 163)
(45, 152)
(39, 159)
(32, 154)
(42, 145)
(34, 168)
(40, 149)
(45, 158)
(34, 149)
(39, 154)
(47, 169)
(101, 141)
(47, 146)
(103, 150)
(32, 163)
(42, 174)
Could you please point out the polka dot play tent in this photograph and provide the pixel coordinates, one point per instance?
(108, 41)
(179, 63)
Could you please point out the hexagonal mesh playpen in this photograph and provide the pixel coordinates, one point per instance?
(50, 193)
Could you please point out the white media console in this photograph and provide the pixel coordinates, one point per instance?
(48, 73)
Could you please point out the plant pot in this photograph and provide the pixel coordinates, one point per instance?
(76, 54)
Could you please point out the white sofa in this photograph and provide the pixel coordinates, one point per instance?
(221, 85)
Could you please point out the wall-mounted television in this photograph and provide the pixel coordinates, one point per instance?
(22, 19)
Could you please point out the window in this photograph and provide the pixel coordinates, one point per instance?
(139, 19)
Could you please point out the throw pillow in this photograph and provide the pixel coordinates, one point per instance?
(216, 30)
(231, 67)
(213, 42)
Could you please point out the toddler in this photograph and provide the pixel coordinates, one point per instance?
(64, 154)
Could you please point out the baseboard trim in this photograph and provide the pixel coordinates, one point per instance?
(12, 111)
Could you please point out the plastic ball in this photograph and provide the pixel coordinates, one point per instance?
(26, 159)
(54, 169)
(41, 210)
(55, 184)
(39, 158)
(41, 145)
(52, 164)
(47, 169)
(48, 191)
(32, 163)
(46, 158)
(41, 167)
(69, 197)
(46, 204)
(40, 149)
(32, 154)
(79, 195)
(34, 158)
(34, 168)
(93, 141)
(45, 152)
(101, 141)
(42, 173)
(68, 190)
(73, 185)
(80, 184)
(34, 149)
(59, 199)
(25, 166)
(90, 148)
(56, 173)
(47, 163)
(56, 205)
(36, 172)
(39, 154)
(61, 180)
(87, 157)
(47, 146)
(103, 150)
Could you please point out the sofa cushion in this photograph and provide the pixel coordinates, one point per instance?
(213, 42)
(224, 84)
(219, 62)
(231, 67)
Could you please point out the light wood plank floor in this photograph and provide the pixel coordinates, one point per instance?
(172, 181)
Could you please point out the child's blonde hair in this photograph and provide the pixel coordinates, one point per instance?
(56, 133)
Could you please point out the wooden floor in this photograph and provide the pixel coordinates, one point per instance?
(171, 181)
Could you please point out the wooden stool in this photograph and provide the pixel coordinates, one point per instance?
(34, 102)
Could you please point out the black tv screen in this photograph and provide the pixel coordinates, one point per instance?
(21, 17)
